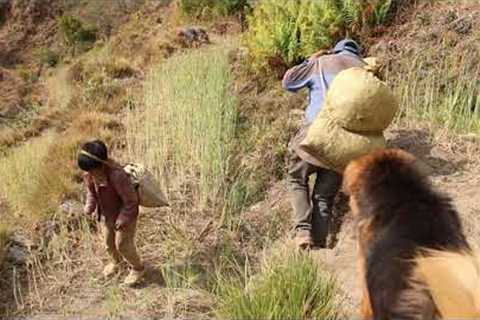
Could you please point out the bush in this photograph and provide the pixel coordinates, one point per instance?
(48, 57)
(284, 32)
(202, 8)
(290, 286)
(4, 236)
(287, 31)
(75, 33)
(363, 14)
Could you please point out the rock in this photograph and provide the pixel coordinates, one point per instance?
(192, 37)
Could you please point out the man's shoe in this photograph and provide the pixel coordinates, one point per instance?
(303, 239)
(134, 278)
(110, 269)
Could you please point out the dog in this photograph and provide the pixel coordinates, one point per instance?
(415, 261)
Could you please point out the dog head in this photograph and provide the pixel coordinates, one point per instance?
(381, 175)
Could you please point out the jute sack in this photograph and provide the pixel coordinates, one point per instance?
(359, 101)
(329, 145)
(149, 192)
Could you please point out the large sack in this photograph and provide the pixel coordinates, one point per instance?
(329, 145)
(359, 101)
(149, 190)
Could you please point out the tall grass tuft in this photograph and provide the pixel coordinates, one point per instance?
(20, 172)
(40, 174)
(289, 286)
(187, 128)
(446, 96)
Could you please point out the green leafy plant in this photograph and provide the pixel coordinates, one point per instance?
(381, 12)
(202, 8)
(284, 32)
(290, 285)
(47, 56)
(75, 33)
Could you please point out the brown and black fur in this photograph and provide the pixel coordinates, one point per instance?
(399, 215)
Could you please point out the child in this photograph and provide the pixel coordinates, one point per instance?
(111, 194)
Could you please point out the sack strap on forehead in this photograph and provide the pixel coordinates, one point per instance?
(91, 156)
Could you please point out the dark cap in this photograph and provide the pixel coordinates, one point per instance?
(347, 45)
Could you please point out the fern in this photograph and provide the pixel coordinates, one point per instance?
(381, 12)
(291, 30)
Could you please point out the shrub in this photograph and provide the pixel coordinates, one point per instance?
(202, 8)
(363, 14)
(119, 68)
(48, 57)
(75, 33)
(290, 285)
(285, 32)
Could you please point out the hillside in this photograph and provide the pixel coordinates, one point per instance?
(192, 91)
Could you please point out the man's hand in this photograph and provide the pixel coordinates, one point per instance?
(121, 222)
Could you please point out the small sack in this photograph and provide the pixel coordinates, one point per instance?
(149, 191)
(358, 101)
(330, 146)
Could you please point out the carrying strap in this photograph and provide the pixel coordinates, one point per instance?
(91, 156)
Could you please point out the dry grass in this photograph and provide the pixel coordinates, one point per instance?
(9, 136)
(41, 174)
(19, 169)
(187, 130)
(433, 63)
(445, 97)
(4, 237)
(289, 285)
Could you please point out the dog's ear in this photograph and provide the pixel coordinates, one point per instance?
(351, 177)
(375, 167)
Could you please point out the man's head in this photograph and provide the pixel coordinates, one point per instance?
(347, 45)
(92, 156)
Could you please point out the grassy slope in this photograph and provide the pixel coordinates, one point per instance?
(433, 62)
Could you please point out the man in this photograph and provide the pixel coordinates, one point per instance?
(111, 194)
(312, 214)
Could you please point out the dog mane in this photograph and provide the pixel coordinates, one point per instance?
(388, 183)
(400, 215)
